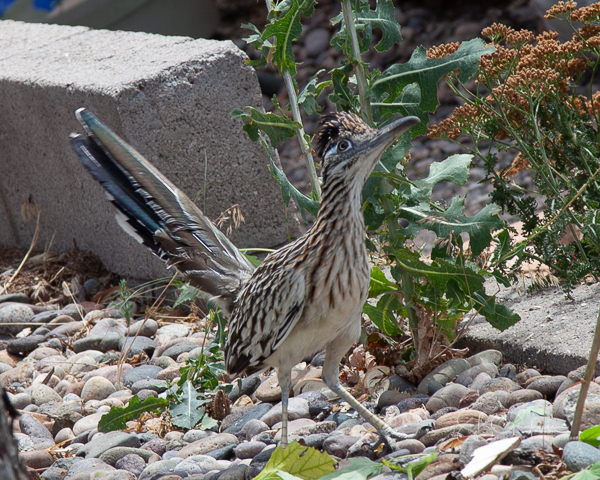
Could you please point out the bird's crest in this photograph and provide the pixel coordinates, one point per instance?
(338, 125)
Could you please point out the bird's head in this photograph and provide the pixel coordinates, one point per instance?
(350, 148)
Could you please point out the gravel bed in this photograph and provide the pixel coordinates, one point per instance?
(63, 377)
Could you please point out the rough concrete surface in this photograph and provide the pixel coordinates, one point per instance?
(170, 97)
(555, 334)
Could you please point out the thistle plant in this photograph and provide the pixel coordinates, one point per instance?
(535, 97)
(422, 298)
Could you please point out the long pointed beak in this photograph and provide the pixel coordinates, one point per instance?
(389, 133)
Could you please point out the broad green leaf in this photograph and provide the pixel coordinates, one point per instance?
(342, 95)
(307, 99)
(382, 315)
(427, 72)
(452, 221)
(526, 413)
(379, 283)
(595, 469)
(303, 462)
(117, 417)
(360, 468)
(365, 20)
(590, 473)
(187, 293)
(275, 127)
(438, 272)
(407, 103)
(287, 476)
(591, 436)
(188, 412)
(498, 316)
(453, 169)
(286, 30)
(288, 190)
(383, 18)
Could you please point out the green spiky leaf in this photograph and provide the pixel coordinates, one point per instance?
(454, 169)
(383, 18)
(307, 99)
(187, 293)
(117, 417)
(382, 315)
(427, 72)
(190, 408)
(275, 127)
(285, 30)
(288, 190)
(379, 283)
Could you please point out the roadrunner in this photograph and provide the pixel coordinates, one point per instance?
(303, 298)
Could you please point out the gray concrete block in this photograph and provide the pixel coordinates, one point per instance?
(170, 97)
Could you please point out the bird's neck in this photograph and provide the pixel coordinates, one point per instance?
(341, 203)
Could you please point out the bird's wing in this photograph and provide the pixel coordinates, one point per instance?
(266, 311)
(159, 215)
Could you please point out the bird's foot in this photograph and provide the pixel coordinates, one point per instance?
(389, 439)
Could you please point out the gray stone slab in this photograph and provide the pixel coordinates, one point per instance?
(170, 97)
(555, 334)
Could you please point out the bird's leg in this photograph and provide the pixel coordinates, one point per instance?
(331, 379)
(285, 382)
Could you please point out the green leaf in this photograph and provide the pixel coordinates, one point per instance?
(307, 99)
(117, 417)
(407, 103)
(342, 96)
(427, 72)
(188, 412)
(287, 476)
(275, 127)
(262, 46)
(590, 473)
(187, 293)
(453, 169)
(383, 18)
(365, 20)
(591, 436)
(379, 283)
(254, 260)
(288, 190)
(359, 469)
(439, 272)
(303, 462)
(414, 466)
(498, 316)
(382, 315)
(286, 30)
(452, 221)
(526, 413)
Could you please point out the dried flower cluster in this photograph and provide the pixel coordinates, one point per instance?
(529, 99)
(443, 50)
(561, 8)
(525, 71)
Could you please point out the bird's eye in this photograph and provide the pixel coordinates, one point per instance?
(343, 145)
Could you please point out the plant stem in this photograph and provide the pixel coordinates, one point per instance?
(361, 78)
(310, 163)
(306, 150)
(585, 381)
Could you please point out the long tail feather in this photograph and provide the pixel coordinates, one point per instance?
(159, 215)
